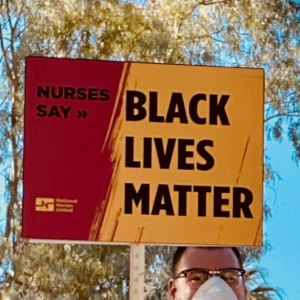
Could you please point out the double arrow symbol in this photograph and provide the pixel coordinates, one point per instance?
(81, 114)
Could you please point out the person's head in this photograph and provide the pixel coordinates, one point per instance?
(209, 258)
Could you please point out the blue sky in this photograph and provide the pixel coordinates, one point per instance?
(2, 206)
(282, 262)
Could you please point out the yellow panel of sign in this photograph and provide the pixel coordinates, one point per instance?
(189, 147)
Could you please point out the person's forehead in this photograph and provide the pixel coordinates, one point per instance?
(207, 258)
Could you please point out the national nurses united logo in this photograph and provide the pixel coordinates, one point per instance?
(55, 205)
(45, 204)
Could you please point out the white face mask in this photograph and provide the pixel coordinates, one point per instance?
(215, 289)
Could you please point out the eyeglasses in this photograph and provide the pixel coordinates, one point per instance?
(196, 277)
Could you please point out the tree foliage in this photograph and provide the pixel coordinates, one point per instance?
(45, 271)
(249, 33)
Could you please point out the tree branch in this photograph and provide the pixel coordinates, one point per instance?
(211, 2)
(293, 114)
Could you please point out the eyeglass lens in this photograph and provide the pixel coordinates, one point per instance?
(197, 277)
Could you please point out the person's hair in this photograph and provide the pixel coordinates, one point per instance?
(180, 250)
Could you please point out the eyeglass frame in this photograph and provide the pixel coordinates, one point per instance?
(210, 272)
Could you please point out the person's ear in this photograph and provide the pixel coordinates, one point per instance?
(172, 287)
